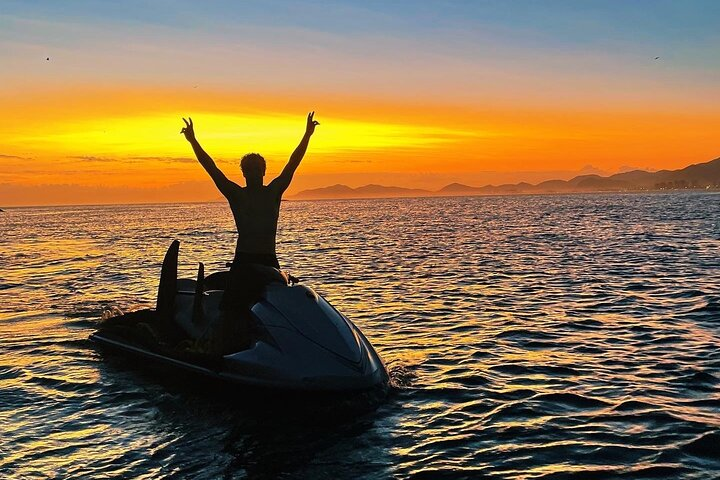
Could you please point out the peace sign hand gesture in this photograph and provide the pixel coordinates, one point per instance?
(188, 130)
(311, 124)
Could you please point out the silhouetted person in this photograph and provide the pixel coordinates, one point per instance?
(256, 208)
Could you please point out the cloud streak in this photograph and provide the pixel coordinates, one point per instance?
(135, 159)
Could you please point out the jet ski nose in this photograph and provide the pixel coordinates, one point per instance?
(317, 320)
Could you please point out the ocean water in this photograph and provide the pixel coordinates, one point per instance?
(572, 336)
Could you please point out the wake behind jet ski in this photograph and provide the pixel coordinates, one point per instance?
(298, 340)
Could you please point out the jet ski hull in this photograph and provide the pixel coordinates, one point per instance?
(296, 339)
(213, 371)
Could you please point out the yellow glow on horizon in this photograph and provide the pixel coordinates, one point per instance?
(224, 135)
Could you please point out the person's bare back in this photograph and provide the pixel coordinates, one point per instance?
(256, 211)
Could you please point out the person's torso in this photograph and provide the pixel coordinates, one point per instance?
(256, 213)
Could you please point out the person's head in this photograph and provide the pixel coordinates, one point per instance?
(253, 166)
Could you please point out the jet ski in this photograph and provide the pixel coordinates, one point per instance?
(298, 341)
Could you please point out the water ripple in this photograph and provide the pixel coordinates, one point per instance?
(536, 337)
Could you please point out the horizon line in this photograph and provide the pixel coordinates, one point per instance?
(426, 193)
(4, 209)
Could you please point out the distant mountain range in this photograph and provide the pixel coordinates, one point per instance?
(697, 176)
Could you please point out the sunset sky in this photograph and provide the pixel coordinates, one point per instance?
(415, 94)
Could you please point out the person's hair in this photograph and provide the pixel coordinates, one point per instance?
(252, 164)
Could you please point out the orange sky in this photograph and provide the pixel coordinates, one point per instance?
(117, 138)
(87, 127)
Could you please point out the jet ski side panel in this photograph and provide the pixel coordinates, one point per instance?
(251, 375)
(307, 368)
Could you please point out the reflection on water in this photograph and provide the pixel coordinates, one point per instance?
(529, 336)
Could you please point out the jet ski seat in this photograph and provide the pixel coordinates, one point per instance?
(271, 274)
(218, 280)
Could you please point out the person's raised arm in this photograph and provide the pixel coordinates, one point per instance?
(283, 180)
(221, 181)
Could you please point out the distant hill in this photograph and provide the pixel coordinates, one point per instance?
(368, 191)
(697, 176)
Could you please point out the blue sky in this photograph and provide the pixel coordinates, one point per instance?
(555, 23)
(573, 48)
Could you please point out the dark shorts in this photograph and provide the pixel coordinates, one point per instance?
(245, 284)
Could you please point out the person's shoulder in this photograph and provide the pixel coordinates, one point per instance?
(233, 190)
(274, 186)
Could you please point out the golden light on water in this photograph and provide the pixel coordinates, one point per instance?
(494, 361)
(525, 336)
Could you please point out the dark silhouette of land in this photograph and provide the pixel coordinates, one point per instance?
(699, 176)
(368, 191)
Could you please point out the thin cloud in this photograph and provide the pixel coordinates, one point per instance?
(166, 159)
(90, 158)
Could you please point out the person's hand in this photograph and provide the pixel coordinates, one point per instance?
(188, 130)
(311, 124)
